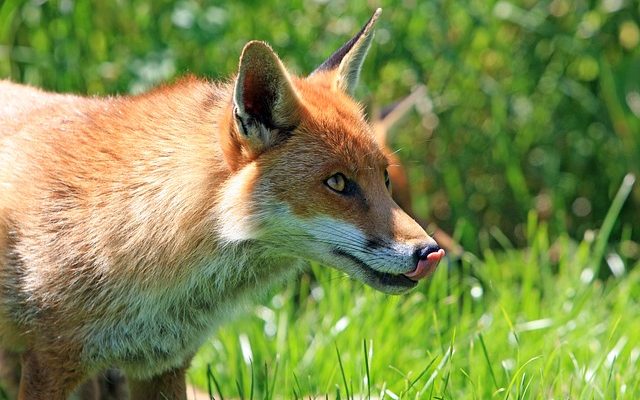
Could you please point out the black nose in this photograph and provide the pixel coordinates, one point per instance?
(423, 251)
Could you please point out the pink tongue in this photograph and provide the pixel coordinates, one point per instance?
(426, 267)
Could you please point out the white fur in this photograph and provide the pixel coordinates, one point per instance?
(393, 257)
(174, 324)
(234, 220)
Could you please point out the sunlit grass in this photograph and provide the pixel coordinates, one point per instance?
(532, 323)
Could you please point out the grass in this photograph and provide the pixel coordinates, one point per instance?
(516, 324)
(538, 322)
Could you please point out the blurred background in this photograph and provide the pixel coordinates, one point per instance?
(531, 105)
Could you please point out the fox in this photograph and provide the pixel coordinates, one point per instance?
(131, 227)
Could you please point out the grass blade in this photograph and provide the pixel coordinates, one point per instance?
(344, 376)
(486, 357)
(424, 371)
(253, 379)
(240, 389)
(211, 377)
(513, 380)
(366, 365)
(610, 219)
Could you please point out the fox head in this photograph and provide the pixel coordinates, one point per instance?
(309, 179)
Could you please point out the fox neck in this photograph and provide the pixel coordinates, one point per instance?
(226, 283)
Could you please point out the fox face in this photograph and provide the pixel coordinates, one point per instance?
(311, 180)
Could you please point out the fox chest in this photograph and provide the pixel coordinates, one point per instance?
(161, 331)
(155, 338)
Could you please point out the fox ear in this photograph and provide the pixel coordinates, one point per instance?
(388, 116)
(266, 105)
(346, 62)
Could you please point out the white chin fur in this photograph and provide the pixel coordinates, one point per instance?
(392, 258)
(322, 239)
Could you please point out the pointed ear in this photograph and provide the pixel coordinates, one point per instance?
(346, 62)
(266, 105)
(384, 119)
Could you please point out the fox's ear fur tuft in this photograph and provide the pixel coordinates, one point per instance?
(266, 105)
(346, 62)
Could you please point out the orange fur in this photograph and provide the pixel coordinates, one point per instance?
(130, 227)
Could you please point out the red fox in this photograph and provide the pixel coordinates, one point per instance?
(131, 227)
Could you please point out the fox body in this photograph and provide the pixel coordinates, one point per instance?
(130, 227)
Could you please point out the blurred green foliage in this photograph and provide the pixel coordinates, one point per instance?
(532, 104)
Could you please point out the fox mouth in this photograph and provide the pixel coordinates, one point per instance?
(378, 278)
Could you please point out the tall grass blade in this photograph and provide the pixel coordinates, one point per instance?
(513, 380)
(610, 219)
(240, 389)
(344, 376)
(366, 365)
(421, 374)
(486, 357)
(270, 394)
(253, 379)
(433, 376)
(210, 378)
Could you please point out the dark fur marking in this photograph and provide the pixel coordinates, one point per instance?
(243, 127)
(336, 58)
(281, 133)
(374, 243)
(352, 189)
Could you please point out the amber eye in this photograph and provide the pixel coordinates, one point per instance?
(387, 181)
(337, 182)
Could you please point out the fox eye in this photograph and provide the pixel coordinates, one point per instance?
(337, 182)
(387, 180)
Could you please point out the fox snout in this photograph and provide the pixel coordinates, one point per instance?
(408, 256)
(392, 259)
(427, 253)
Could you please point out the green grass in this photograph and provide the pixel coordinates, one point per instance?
(513, 324)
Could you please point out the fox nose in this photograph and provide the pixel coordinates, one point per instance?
(426, 259)
(423, 252)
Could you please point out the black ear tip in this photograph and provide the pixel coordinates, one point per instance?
(372, 20)
(334, 60)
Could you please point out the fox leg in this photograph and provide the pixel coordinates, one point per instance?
(48, 377)
(112, 385)
(89, 390)
(168, 385)
(9, 373)
(107, 385)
